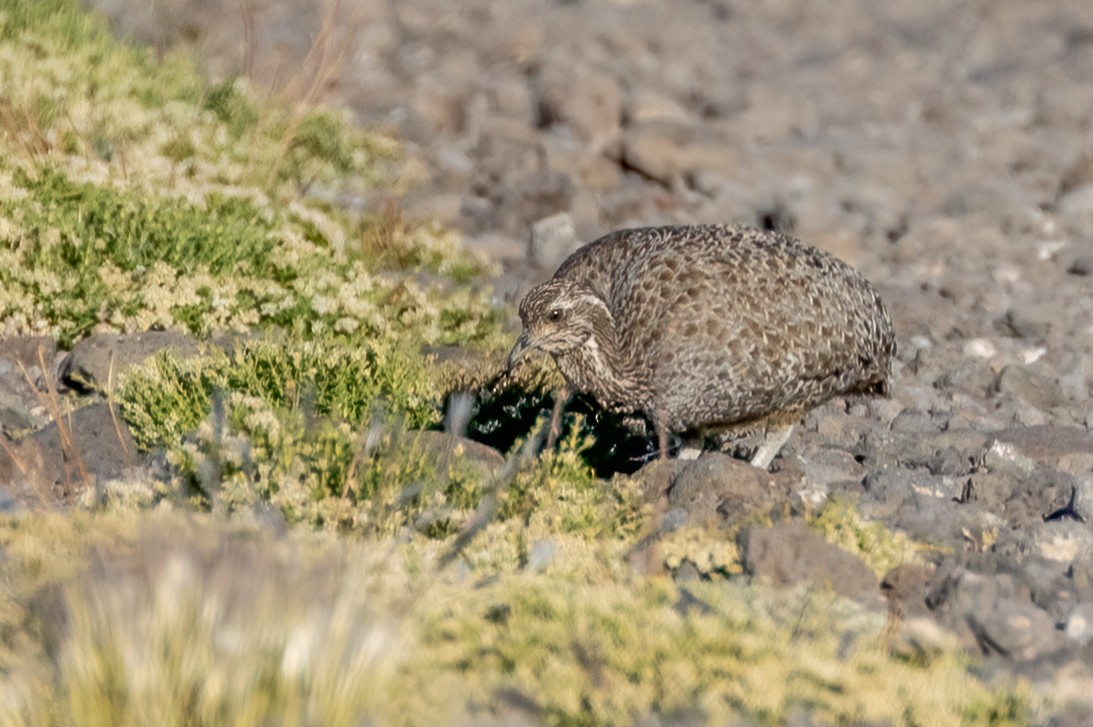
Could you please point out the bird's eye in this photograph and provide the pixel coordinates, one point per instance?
(555, 314)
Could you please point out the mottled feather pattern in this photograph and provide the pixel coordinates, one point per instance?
(709, 327)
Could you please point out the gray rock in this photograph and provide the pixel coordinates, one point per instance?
(447, 450)
(906, 588)
(1016, 630)
(99, 361)
(922, 449)
(1004, 457)
(944, 461)
(584, 99)
(1077, 202)
(997, 613)
(1032, 386)
(654, 155)
(1060, 541)
(1083, 497)
(929, 508)
(26, 352)
(816, 469)
(923, 484)
(789, 553)
(644, 105)
(553, 239)
(1079, 263)
(17, 417)
(1021, 450)
(25, 364)
(913, 420)
(1078, 624)
(571, 157)
(1032, 321)
(75, 456)
(995, 488)
(718, 488)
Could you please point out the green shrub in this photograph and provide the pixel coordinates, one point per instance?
(135, 195)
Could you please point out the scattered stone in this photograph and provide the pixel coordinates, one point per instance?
(716, 487)
(1077, 175)
(996, 612)
(1080, 264)
(1061, 541)
(1083, 497)
(789, 553)
(79, 453)
(1079, 623)
(645, 106)
(586, 100)
(446, 450)
(883, 482)
(1035, 388)
(1018, 631)
(817, 469)
(1030, 321)
(913, 420)
(906, 587)
(1021, 450)
(1078, 202)
(24, 382)
(553, 239)
(655, 152)
(99, 361)
(29, 353)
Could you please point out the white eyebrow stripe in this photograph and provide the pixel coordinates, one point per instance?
(596, 301)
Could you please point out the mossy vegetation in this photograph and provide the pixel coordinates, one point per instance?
(880, 547)
(133, 195)
(319, 551)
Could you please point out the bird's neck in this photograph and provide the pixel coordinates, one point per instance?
(601, 368)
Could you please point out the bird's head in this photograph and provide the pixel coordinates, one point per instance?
(559, 317)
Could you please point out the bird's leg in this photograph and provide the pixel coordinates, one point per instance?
(662, 434)
(773, 441)
(561, 398)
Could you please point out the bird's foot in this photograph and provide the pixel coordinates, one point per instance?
(691, 448)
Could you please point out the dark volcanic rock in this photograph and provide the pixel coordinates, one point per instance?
(25, 364)
(447, 450)
(789, 553)
(99, 360)
(1024, 449)
(717, 487)
(67, 458)
(995, 612)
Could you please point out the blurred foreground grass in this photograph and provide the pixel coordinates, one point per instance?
(171, 618)
(302, 562)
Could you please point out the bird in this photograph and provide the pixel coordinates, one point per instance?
(708, 330)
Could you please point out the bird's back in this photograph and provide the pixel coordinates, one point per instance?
(733, 324)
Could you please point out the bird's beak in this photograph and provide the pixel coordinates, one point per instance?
(519, 350)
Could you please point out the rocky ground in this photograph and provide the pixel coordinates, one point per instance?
(946, 150)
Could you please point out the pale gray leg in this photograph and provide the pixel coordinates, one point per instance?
(772, 444)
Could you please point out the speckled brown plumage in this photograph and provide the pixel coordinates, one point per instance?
(708, 328)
